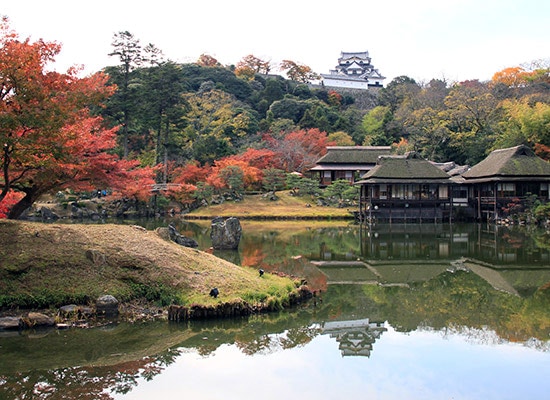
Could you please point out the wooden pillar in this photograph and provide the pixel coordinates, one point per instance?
(450, 192)
(495, 200)
(478, 202)
(370, 205)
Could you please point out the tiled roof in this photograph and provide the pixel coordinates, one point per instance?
(513, 162)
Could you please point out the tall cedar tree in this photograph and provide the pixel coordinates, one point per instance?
(128, 49)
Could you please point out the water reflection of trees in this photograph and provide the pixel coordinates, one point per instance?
(84, 382)
(259, 334)
(409, 296)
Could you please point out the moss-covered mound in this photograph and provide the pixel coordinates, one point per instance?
(47, 265)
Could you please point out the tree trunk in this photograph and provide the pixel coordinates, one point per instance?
(22, 205)
(165, 171)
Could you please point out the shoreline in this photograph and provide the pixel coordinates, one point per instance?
(44, 266)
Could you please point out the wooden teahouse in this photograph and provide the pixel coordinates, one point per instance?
(505, 179)
(405, 188)
(347, 162)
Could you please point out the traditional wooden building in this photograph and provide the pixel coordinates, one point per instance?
(405, 188)
(347, 162)
(354, 71)
(507, 178)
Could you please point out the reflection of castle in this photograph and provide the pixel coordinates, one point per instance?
(355, 338)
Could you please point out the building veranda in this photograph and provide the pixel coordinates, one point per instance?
(506, 181)
(408, 188)
(405, 188)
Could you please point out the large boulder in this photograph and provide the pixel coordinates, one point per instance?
(225, 234)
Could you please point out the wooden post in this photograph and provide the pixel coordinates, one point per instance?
(478, 203)
(370, 205)
(495, 200)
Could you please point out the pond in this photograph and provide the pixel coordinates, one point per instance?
(431, 311)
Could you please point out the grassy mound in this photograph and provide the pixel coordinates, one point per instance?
(47, 265)
(258, 206)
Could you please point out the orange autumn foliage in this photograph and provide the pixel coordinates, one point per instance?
(190, 173)
(511, 77)
(9, 201)
(251, 175)
(258, 158)
(50, 140)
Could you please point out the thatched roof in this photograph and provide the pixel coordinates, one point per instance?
(354, 154)
(513, 163)
(410, 168)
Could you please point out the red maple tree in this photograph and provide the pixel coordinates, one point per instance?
(299, 150)
(50, 139)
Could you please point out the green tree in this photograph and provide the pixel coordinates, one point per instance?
(129, 51)
(233, 177)
(204, 192)
(337, 188)
(301, 186)
(397, 92)
(215, 123)
(524, 123)
(428, 132)
(375, 124)
(273, 179)
(287, 108)
(165, 107)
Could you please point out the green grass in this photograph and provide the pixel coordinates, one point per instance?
(48, 265)
(287, 206)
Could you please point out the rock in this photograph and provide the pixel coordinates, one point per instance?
(107, 306)
(35, 319)
(187, 242)
(9, 323)
(76, 212)
(48, 214)
(74, 311)
(225, 234)
(175, 236)
(164, 233)
(67, 311)
(271, 196)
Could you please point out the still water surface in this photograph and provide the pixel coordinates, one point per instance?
(406, 312)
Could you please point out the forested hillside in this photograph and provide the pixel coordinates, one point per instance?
(201, 129)
(204, 111)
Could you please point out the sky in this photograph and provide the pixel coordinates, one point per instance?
(454, 40)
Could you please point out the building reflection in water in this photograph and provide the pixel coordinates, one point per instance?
(512, 260)
(355, 338)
